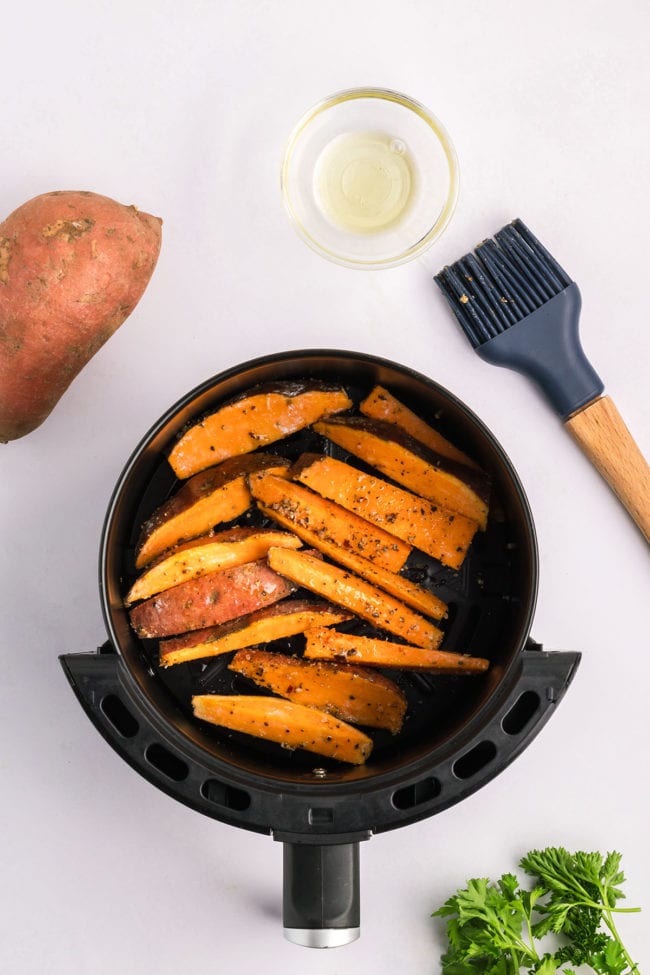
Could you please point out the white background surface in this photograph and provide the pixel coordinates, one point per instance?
(184, 109)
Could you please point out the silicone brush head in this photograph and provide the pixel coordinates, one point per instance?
(519, 308)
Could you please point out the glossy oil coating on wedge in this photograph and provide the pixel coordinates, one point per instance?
(276, 622)
(260, 417)
(351, 693)
(291, 725)
(210, 498)
(405, 460)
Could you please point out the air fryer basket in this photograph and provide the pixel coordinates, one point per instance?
(459, 731)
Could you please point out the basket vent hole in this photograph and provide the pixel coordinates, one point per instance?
(119, 716)
(520, 713)
(475, 760)
(417, 793)
(225, 795)
(167, 763)
(321, 816)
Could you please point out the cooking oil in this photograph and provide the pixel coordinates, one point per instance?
(364, 181)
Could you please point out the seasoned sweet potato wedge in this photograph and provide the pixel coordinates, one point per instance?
(356, 595)
(299, 508)
(324, 644)
(380, 404)
(260, 417)
(405, 460)
(347, 692)
(414, 595)
(443, 534)
(210, 553)
(291, 725)
(263, 626)
(207, 499)
(211, 599)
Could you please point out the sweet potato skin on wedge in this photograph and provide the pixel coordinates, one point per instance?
(259, 417)
(212, 497)
(291, 725)
(380, 404)
(324, 644)
(210, 553)
(445, 535)
(299, 508)
(350, 693)
(356, 595)
(275, 622)
(211, 599)
(405, 460)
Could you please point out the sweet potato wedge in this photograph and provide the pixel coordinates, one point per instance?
(207, 499)
(405, 460)
(414, 595)
(324, 644)
(347, 692)
(445, 535)
(380, 404)
(218, 550)
(291, 725)
(259, 417)
(356, 595)
(211, 599)
(263, 626)
(297, 507)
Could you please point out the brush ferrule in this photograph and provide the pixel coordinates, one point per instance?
(545, 346)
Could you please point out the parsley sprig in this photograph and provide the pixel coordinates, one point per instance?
(495, 928)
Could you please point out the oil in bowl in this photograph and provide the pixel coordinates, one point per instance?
(369, 178)
(363, 181)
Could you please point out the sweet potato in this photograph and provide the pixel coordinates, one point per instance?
(414, 595)
(443, 534)
(324, 644)
(356, 595)
(218, 550)
(405, 460)
(212, 497)
(213, 598)
(347, 692)
(380, 404)
(265, 625)
(298, 508)
(259, 417)
(73, 266)
(291, 725)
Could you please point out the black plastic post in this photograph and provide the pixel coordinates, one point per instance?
(321, 894)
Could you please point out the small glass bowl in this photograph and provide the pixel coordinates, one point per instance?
(409, 129)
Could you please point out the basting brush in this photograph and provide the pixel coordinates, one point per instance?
(520, 309)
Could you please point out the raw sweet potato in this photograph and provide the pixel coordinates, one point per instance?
(380, 404)
(299, 508)
(414, 595)
(73, 266)
(212, 497)
(347, 692)
(443, 534)
(291, 725)
(324, 644)
(271, 623)
(259, 417)
(209, 600)
(355, 594)
(218, 550)
(405, 460)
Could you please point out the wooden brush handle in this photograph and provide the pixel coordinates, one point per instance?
(602, 435)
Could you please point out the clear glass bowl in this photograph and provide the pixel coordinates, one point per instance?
(369, 178)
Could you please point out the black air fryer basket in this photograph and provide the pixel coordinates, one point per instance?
(460, 731)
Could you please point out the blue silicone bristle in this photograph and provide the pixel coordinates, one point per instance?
(503, 281)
